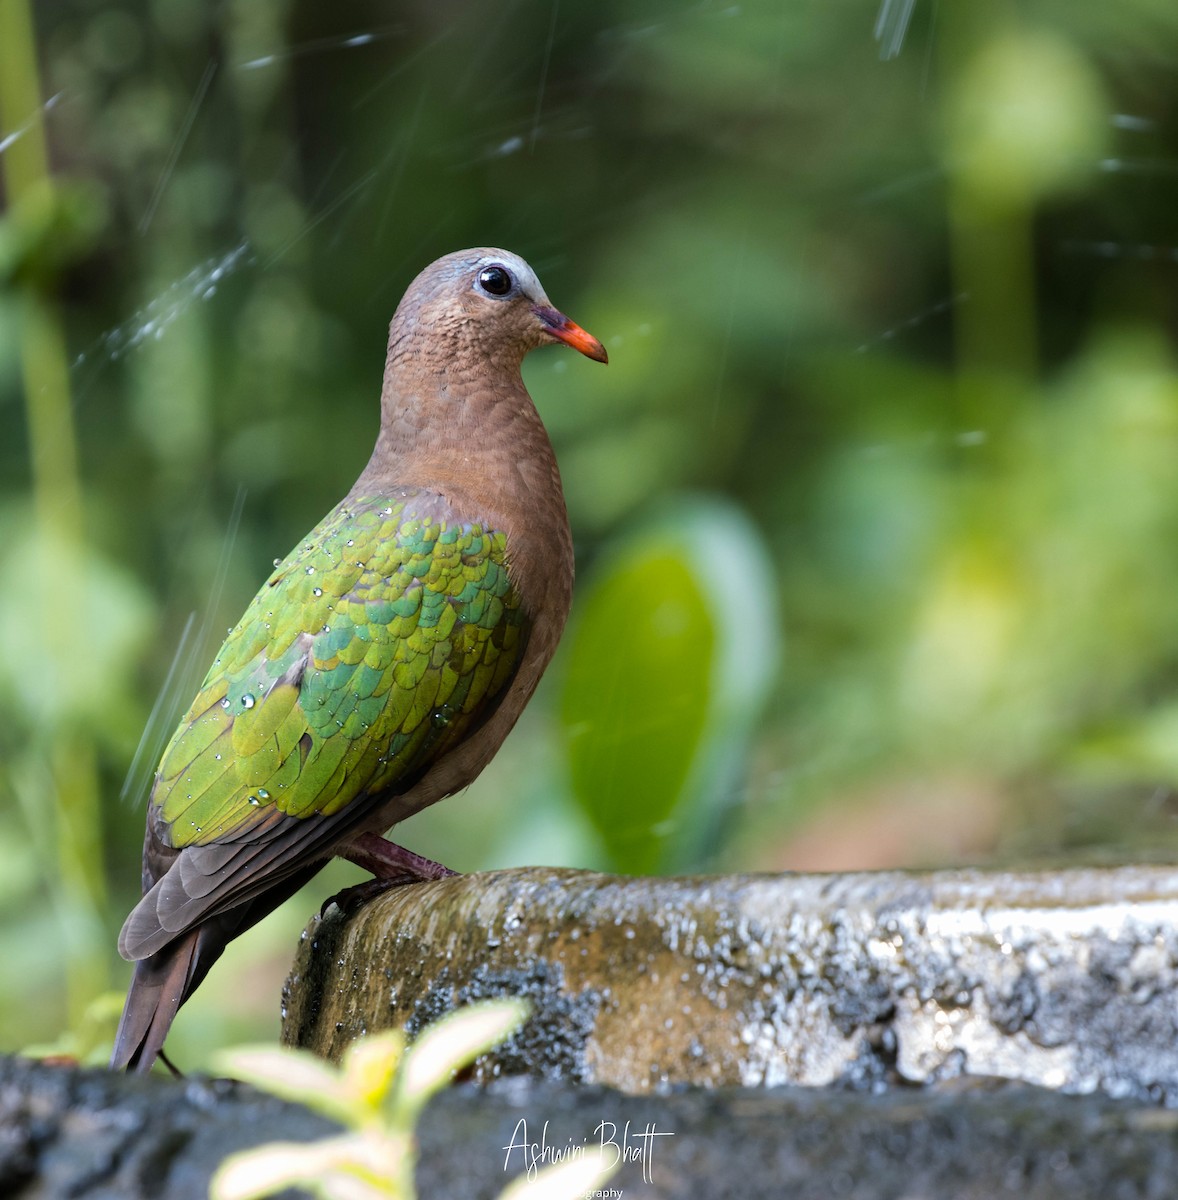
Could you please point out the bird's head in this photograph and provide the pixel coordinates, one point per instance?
(482, 305)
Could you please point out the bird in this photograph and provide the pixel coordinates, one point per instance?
(385, 659)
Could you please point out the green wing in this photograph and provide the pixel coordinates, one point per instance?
(374, 647)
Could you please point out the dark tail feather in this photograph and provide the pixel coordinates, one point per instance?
(159, 987)
(165, 979)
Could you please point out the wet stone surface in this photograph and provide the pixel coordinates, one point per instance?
(98, 1135)
(95, 1135)
(1063, 979)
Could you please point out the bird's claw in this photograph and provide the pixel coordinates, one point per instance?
(348, 900)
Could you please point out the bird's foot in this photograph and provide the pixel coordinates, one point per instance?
(350, 899)
(391, 865)
(387, 860)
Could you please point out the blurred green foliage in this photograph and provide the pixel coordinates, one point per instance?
(636, 702)
(894, 283)
(668, 666)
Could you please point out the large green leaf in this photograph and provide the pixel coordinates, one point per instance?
(669, 659)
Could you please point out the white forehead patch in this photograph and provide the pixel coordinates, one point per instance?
(524, 275)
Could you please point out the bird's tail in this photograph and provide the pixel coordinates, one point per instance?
(159, 986)
(165, 979)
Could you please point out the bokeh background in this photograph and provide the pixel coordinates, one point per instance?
(876, 505)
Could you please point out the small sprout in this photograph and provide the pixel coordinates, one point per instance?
(377, 1094)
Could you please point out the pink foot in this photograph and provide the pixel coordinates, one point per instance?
(391, 865)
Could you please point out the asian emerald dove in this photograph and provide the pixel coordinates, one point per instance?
(388, 655)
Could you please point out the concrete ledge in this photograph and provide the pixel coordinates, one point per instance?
(1065, 979)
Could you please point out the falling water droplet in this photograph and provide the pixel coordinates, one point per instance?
(278, 562)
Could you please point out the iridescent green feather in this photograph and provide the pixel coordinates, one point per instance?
(372, 648)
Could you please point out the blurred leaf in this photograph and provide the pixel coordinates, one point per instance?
(301, 1076)
(1145, 749)
(18, 863)
(572, 1180)
(636, 700)
(377, 1093)
(70, 638)
(354, 1166)
(669, 660)
(454, 1042)
(370, 1067)
(1026, 118)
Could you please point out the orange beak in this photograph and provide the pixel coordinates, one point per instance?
(564, 330)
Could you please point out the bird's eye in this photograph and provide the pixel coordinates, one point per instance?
(496, 281)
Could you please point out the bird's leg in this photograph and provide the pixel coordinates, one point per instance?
(387, 860)
(176, 1072)
(391, 865)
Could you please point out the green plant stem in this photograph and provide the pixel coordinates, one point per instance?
(57, 502)
(992, 254)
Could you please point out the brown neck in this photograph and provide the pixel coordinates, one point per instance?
(484, 449)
